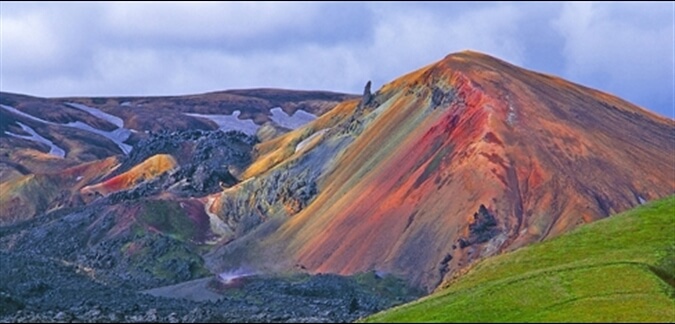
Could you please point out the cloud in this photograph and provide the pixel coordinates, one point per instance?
(104, 48)
(33, 44)
(187, 23)
(408, 39)
(145, 48)
(233, 26)
(45, 41)
(625, 49)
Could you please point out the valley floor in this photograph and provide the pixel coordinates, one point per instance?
(38, 289)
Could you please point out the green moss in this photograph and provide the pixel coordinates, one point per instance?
(164, 257)
(165, 266)
(169, 218)
(665, 267)
(613, 270)
(385, 285)
(162, 242)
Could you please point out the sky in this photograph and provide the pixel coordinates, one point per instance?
(121, 49)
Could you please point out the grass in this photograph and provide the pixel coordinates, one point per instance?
(620, 269)
(385, 285)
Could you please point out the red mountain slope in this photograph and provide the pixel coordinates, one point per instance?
(463, 159)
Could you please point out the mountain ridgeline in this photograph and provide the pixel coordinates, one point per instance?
(457, 161)
(406, 187)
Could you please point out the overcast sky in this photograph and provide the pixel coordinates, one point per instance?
(114, 49)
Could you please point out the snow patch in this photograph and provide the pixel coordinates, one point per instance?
(23, 114)
(511, 115)
(231, 122)
(306, 141)
(53, 149)
(117, 136)
(99, 114)
(299, 118)
(494, 244)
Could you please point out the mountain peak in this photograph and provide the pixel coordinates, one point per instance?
(469, 54)
(462, 159)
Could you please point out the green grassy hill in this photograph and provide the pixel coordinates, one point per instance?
(619, 269)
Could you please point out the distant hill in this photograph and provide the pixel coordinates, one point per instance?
(50, 148)
(40, 135)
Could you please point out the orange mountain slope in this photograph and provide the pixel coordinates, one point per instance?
(148, 169)
(27, 196)
(460, 160)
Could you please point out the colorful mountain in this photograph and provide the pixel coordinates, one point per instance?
(145, 171)
(24, 197)
(460, 160)
(464, 159)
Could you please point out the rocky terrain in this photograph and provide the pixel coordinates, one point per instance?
(90, 263)
(40, 289)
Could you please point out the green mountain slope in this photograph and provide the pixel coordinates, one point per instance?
(619, 269)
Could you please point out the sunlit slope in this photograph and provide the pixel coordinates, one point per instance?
(619, 269)
(281, 149)
(540, 154)
(148, 169)
(24, 197)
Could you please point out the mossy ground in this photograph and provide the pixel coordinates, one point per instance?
(619, 269)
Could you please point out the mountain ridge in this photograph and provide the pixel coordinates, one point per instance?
(503, 133)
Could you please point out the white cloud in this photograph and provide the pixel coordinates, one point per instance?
(402, 41)
(206, 21)
(407, 40)
(603, 49)
(29, 43)
(178, 48)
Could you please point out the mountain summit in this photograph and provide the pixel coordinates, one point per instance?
(457, 161)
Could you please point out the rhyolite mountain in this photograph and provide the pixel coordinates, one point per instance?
(460, 160)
